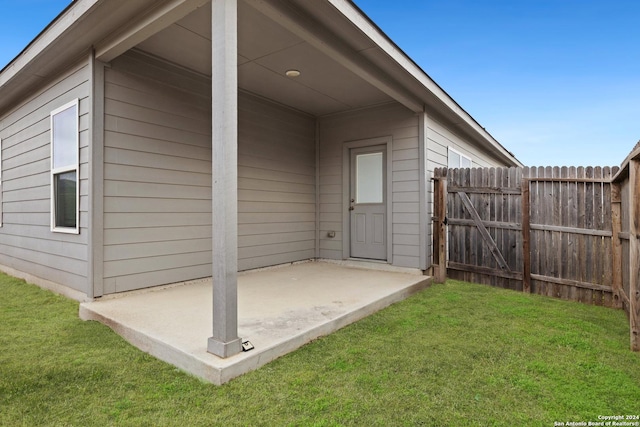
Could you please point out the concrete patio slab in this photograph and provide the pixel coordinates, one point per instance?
(280, 309)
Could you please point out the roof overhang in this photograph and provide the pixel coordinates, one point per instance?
(623, 173)
(398, 65)
(70, 37)
(336, 30)
(159, 17)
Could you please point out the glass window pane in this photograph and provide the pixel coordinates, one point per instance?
(65, 137)
(454, 159)
(65, 197)
(465, 162)
(369, 178)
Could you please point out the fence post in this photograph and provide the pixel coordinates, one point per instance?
(616, 244)
(634, 253)
(440, 228)
(526, 235)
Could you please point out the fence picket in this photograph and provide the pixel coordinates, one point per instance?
(515, 180)
(572, 221)
(607, 223)
(569, 234)
(556, 236)
(534, 218)
(496, 180)
(582, 256)
(589, 224)
(563, 206)
(597, 242)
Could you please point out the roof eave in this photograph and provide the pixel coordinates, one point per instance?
(43, 41)
(467, 123)
(623, 173)
(44, 55)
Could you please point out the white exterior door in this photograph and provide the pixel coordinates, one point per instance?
(368, 202)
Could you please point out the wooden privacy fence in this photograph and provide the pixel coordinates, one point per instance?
(567, 232)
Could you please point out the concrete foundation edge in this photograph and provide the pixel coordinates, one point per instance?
(219, 376)
(46, 284)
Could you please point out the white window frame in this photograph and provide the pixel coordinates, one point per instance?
(462, 156)
(70, 168)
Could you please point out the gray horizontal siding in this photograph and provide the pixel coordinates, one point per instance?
(389, 120)
(276, 185)
(157, 168)
(27, 243)
(157, 172)
(439, 138)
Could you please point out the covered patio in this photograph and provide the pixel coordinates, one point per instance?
(240, 152)
(279, 310)
(216, 137)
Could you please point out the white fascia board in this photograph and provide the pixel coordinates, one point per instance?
(58, 27)
(141, 29)
(353, 14)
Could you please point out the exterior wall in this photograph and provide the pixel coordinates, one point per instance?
(405, 129)
(276, 184)
(157, 190)
(157, 179)
(27, 243)
(157, 174)
(402, 125)
(439, 138)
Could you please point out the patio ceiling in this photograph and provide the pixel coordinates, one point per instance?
(266, 50)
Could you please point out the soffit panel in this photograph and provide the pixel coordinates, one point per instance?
(380, 58)
(170, 44)
(322, 74)
(264, 82)
(265, 51)
(259, 36)
(334, 21)
(198, 22)
(242, 60)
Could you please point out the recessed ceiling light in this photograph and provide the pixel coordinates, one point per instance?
(292, 73)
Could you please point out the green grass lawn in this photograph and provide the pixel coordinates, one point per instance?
(454, 355)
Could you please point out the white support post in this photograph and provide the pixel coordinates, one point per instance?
(224, 104)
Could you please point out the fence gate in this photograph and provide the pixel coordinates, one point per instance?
(542, 230)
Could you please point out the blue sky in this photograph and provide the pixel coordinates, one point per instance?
(557, 82)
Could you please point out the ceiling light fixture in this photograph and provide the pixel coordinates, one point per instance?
(292, 73)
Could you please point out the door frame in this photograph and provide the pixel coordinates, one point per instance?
(346, 190)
